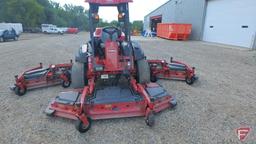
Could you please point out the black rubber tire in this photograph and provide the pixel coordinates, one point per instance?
(50, 114)
(78, 75)
(153, 78)
(143, 71)
(190, 81)
(150, 119)
(66, 84)
(80, 126)
(19, 92)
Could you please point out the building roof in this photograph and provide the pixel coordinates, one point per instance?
(158, 8)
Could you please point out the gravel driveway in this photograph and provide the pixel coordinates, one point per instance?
(208, 112)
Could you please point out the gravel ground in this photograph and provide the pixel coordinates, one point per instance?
(208, 112)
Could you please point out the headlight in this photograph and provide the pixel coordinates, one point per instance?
(84, 48)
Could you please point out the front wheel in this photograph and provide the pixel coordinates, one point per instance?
(143, 71)
(79, 75)
(81, 127)
(15, 38)
(19, 91)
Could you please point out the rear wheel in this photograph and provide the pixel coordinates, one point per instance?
(81, 127)
(79, 75)
(15, 38)
(143, 71)
(19, 91)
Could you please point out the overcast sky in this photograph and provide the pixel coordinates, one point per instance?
(138, 9)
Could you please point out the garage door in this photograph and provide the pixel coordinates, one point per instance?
(231, 22)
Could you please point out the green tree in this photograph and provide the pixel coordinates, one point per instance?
(27, 12)
(137, 25)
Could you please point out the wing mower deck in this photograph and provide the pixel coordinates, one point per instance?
(42, 77)
(175, 70)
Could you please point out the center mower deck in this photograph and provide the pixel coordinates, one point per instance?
(111, 102)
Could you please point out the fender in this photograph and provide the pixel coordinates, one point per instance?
(138, 52)
(83, 53)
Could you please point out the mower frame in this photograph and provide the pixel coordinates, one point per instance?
(145, 98)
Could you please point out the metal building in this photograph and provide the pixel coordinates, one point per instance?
(230, 22)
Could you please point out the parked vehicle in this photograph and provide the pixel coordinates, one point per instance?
(72, 30)
(64, 29)
(51, 29)
(8, 34)
(9, 26)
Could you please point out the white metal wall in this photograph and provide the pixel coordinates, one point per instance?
(231, 22)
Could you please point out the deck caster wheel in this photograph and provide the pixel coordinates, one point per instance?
(190, 81)
(173, 103)
(20, 92)
(150, 119)
(49, 112)
(153, 78)
(81, 127)
(66, 84)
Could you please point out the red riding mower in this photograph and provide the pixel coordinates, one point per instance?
(42, 77)
(111, 77)
(175, 70)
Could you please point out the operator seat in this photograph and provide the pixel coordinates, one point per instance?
(108, 33)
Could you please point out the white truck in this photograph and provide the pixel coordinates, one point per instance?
(51, 29)
(9, 26)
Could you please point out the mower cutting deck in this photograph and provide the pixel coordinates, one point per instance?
(42, 77)
(107, 102)
(175, 70)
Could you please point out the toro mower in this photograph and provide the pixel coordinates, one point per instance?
(42, 77)
(111, 76)
(160, 69)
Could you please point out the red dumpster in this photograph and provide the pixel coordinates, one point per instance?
(174, 31)
(72, 30)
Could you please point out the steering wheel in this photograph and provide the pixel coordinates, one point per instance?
(110, 30)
